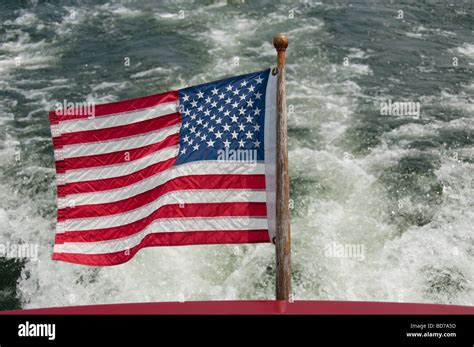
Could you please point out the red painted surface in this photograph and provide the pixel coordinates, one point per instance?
(255, 308)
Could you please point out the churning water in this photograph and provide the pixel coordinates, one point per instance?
(398, 186)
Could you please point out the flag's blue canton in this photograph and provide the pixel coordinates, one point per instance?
(222, 116)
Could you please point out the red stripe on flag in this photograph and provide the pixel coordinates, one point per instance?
(118, 107)
(115, 182)
(180, 183)
(167, 239)
(117, 132)
(234, 209)
(118, 157)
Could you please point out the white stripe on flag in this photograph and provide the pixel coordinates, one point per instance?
(207, 167)
(121, 144)
(122, 169)
(117, 119)
(174, 197)
(163, 225)
(270, 152)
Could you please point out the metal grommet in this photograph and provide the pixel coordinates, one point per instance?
(274, 71)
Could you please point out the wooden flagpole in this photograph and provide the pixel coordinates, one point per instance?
(282, 240)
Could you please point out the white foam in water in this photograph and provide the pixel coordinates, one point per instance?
(151, 72)
(109, 85)
(342, 200)
(24, 54)
(120, 10)
(467, 49)
(27, 18)
(422, 32)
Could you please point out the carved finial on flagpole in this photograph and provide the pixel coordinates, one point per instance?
(282, 240)
(280, 42)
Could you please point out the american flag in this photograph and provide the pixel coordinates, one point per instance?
(190, 166)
